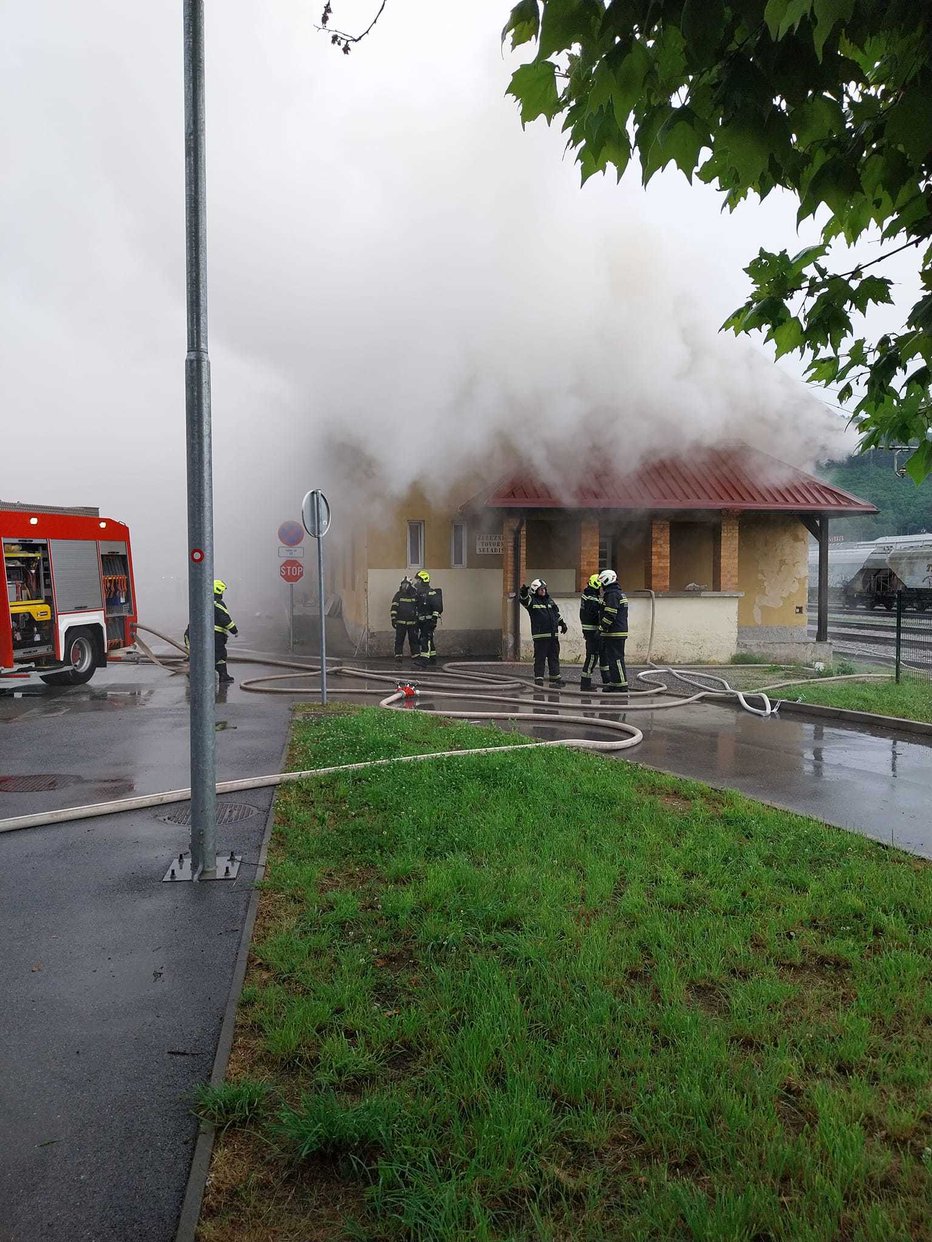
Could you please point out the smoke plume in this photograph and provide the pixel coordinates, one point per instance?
(404, 286)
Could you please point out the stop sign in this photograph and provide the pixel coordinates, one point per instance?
(291, 570)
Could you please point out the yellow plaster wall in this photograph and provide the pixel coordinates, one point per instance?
(773, 570)
(345, 574)
(388, 537)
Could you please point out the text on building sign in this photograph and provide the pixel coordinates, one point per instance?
(488, 545)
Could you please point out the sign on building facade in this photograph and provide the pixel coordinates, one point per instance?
(488, 545)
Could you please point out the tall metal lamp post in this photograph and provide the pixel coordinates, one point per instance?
(203, 863)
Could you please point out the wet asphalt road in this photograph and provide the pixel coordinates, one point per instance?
(114, 983)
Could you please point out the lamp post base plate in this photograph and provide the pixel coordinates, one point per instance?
(227, 868)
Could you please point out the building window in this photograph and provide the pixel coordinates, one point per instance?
(458, 546)
(606, 552)
(415, 545)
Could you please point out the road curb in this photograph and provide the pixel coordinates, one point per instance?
(190, 1214)
(844, 715)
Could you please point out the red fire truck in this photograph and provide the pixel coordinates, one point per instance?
(70, 600)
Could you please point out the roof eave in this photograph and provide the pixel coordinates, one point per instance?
(686, 506)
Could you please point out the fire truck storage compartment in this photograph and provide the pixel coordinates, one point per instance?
(28, 589)
(76, 570)
(114, 563)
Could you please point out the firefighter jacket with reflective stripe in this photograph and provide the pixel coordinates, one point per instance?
(429, 604)
(223, 622)
(590, 609)
(543, 611)
(404, 605)
(614, 623)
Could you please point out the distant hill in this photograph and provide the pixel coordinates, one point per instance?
(905, 509)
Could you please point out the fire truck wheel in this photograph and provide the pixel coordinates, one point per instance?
(81, 651)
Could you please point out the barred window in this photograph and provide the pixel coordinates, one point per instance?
(458, 546)
(415, 545)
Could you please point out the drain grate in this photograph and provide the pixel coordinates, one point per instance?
(35, 784)
(227, 813)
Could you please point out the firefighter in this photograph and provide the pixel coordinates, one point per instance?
(404, 619)
(590, 614)
(613, 630)
(545, 622)
(428, 606)
(224, 626)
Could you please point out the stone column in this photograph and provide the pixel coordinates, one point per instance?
(588, 561)
(510, 614)
(725, 555)
(658, 556)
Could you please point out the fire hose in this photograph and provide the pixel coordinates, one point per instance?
(474, 686)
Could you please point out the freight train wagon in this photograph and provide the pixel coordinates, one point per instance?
(70, 600)
(870, 574)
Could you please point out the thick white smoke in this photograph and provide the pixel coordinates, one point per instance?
(403, 284)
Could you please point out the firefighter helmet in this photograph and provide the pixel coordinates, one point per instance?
(219, 586)
(607, 577)
(537, 584)
(595, 581)
(423, 575)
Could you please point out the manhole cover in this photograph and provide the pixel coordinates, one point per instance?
(35, 784)
(227, 813)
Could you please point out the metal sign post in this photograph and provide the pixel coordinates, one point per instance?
(290, 535)
(315, 513)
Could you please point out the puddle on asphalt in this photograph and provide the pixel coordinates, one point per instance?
(48, 701)
(116, 699)
(43, 782)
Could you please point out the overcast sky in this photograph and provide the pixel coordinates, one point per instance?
(397, 271)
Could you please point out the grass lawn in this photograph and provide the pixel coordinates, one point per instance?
(910, 700)
(555, 996)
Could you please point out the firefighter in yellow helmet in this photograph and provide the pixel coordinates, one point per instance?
(224, 626)
(590, 616)
(428, 609)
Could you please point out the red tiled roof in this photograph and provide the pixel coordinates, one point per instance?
(729, 478)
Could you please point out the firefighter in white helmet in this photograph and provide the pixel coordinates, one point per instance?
(613, 633)
(545, 623)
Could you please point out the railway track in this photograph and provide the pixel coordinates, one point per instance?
(859, 632)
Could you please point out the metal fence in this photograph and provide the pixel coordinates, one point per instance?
(913, 638)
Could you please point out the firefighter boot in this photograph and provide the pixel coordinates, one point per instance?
(585, 683)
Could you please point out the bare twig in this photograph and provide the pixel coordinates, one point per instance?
(340, 37)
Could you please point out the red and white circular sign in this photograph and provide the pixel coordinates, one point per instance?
(291, 570)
